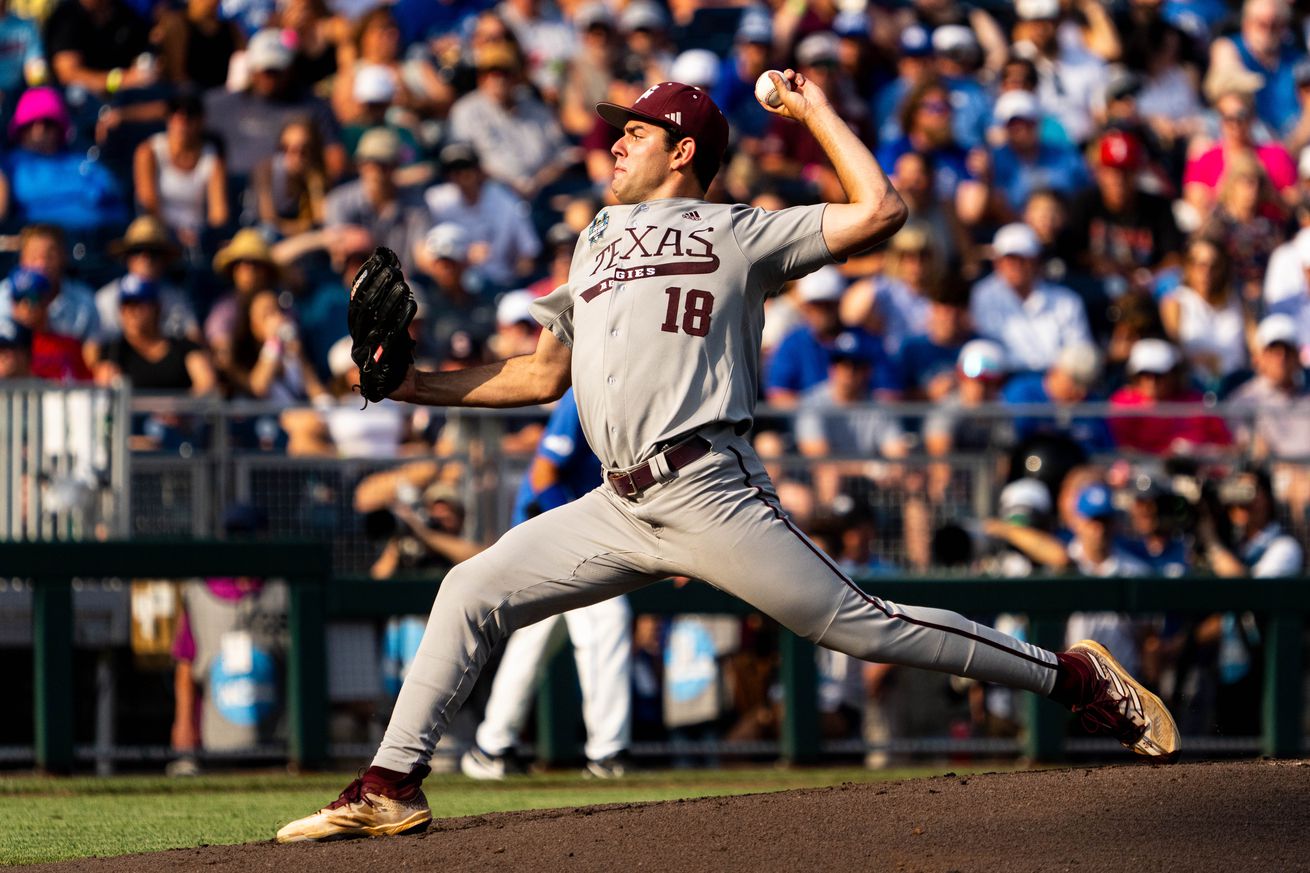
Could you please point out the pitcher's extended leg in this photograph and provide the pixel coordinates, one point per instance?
(570, 557)
(754, 551)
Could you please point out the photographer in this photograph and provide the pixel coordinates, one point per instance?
(419, 516)
(1226, 645)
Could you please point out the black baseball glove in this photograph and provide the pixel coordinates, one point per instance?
(381, 308)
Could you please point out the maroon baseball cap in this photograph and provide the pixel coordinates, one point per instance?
(680, 108)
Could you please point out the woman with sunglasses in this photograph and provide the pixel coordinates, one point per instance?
(291, 186)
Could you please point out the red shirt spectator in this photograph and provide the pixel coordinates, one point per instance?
(1153, 368)
(58, 358)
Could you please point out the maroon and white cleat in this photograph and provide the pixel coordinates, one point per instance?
(1121, 707)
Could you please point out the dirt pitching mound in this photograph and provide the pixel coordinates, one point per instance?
(1193, 817)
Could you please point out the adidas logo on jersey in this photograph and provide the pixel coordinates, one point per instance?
(693, 215)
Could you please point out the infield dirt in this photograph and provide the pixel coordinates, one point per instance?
(1244, 816)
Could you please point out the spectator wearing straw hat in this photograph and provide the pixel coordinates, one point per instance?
(394, 215)
(1031, 318)
(502, 241)
(51, 182)
(247, 264)
(147, 249)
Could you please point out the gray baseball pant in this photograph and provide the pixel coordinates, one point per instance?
(717, 520)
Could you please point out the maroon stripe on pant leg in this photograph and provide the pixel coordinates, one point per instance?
(868, 598)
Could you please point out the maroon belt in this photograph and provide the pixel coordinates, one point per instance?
(631, 483)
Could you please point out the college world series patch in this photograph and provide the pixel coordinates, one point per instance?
(596, 229)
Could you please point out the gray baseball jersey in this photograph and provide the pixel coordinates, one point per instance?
(664, 310)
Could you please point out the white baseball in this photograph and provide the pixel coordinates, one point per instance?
(765, 92)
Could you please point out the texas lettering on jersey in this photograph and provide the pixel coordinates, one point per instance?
(652, 241)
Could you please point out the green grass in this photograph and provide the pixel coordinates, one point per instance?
(48, 819)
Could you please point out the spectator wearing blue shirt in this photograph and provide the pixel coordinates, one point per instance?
(913, 67)
(802, 358)
(927, 117)
(957, 54)
(49, 182)
(1066, 383)
(1265, 45)
(1155, 541)
(927, 361)
(564, 467)
(1024, 163)
(735, 91)
(21, 54)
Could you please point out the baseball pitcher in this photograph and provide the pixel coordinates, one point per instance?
(658, 331)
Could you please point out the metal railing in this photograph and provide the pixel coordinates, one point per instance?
(316, 598)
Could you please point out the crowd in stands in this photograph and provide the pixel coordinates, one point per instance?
(1109, 202)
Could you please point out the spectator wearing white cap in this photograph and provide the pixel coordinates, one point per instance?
(1069, 76)
(1277, 394)
(1031, 318)
(395, 216)
(457, 294)
(956, 57)
(516, 329)
(1205, 316)
(1023, 163)
(643, 26)
(980, 371)
(375, 91)
(1155, 377)
(503, 244)
(802, 358)
(249, 121)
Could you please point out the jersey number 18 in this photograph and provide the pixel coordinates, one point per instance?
(696, 315)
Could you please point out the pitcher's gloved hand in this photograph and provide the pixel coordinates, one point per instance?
(381, 308)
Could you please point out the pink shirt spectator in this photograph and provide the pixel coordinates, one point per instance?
(222, 587)
(1162, 435)
(1207, 168)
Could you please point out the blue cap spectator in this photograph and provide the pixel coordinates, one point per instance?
(856, 347)
(915, 42)
(1095, 502)
(29, 285)
(134, 289)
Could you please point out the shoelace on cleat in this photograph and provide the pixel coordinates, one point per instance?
(354, 793)
(1109, 714)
